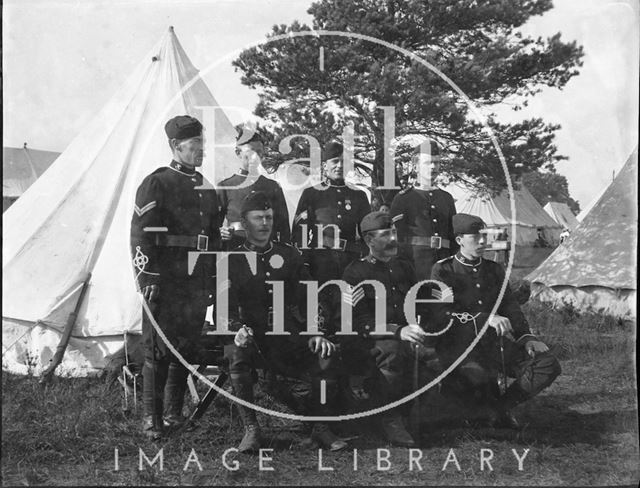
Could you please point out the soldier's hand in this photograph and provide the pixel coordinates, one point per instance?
(501, 324)
(534, 347)
(243, 336)
(226, 233)
(324, 347)
(151, 292)
(413, 333)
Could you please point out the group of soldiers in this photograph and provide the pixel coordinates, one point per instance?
(335, 236)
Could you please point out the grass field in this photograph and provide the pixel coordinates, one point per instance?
(582, 431)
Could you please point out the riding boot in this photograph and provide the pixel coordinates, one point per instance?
(174, 395)
(321, 432)
(243, 389)
(391, 421)
(154, 374)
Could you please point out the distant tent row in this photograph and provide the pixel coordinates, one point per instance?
(496, 212)
(596, 269)
(21, 167)
(562, 214)
(73, 222)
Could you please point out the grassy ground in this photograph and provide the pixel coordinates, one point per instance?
(582, 431)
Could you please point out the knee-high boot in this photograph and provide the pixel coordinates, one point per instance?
(243, 388)
(174, 394)
(154, 374)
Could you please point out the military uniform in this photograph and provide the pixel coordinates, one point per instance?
(230, 201)
(330, 203)
(383, 360)
(476, 285)
(172, 216)
(251, 304)
(423, 220)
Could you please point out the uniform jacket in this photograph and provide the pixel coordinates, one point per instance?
(328, 203)
(251, 298)
(230, 201)
(476, 286)
(423, 213)
(170, 197)
(397, 276)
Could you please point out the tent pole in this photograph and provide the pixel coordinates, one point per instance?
(66, 334)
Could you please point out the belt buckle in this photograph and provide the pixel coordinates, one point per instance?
(436, 242)
(203, 243)
(342, 244)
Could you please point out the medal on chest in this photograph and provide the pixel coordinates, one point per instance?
(347, 204)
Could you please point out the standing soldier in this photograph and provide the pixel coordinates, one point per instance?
(251, 315)
(173, 216)
(250, 149)
(385, 359)
(423, 215)
(325, 227)
(508, 348)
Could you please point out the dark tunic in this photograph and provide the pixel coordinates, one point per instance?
(422, 214)
(182, 202)
(230, 201)
(328, 203)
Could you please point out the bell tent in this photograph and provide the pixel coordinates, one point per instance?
(596, 268)
(66, 240)
(562, 214)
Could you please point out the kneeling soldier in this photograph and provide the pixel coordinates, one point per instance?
(508, 348)
(251, 315)
(382, 358)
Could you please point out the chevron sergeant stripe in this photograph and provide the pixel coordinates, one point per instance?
(445, 295)
(141, 211)
(301, 216)
(353, 295)
(397, 217)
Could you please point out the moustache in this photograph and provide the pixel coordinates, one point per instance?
(391, 245)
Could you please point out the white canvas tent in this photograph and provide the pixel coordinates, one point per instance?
(596, 268)
(496, 213)
(74, 220)
(562, 214)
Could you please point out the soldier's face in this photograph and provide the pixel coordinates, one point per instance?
(190, 151)
(334, 168)
(258, 225)
(429, 166)
(383, 243)
(251, 154)
(472, 245)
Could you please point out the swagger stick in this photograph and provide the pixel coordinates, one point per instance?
(415, 410)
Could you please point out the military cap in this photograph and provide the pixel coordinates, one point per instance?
(376, 221)
(467, 224)
(332, 150)
(183, 127)
(248, 133)
(256, 200)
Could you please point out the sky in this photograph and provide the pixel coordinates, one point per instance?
(63, 60)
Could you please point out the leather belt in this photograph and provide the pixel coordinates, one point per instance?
(199, 242)
(341, 245)
(434, 242)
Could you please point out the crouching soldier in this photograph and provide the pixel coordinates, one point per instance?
(385, 360)
(508, 348)
(280, 269)
(173, 215)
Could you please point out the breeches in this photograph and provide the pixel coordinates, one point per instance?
(180, 315)
(286, 355)
(532, 375)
